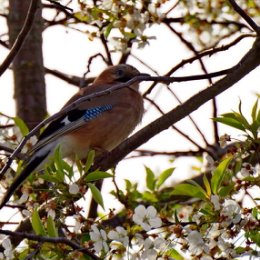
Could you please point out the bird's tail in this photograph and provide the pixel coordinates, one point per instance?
(31, 166)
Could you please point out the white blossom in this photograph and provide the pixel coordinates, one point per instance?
(206, 257)
(208, 163)
(247, 170)
(223, 139)
(231, 210)
(147, 218)
(195, 242)
(51, 213)
(120, 235)
(149, 251)
(197, 217)
(99, 237)
(7, 243)
(215, 200)
(26, 213)
(31, 142)
(149, 254)
(78, 223)
(23, 198)
(8, 250)
(137, 21)
(214, 231)
(73, 188)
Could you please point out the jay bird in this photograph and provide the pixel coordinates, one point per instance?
(100, 123)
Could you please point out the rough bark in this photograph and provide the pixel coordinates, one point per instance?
(29, 82)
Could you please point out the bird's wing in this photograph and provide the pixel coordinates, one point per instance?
(73, 120)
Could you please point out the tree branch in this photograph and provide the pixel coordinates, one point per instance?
(60, 6)
(102, 93)
(73, 80)
(248, 63)
(209, 52)
(244, 15)
(54, 240)
(142, 153)
(21, 37)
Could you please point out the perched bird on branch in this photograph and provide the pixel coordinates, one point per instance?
(100, 123)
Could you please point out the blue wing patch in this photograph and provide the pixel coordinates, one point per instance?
(94, 112)
(73, 116)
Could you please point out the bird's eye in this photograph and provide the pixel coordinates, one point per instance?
(120, 73)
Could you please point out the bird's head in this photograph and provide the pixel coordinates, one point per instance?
(117, 74)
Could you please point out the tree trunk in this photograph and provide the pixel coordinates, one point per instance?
(28, 69)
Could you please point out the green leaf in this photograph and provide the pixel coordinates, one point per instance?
(198, 186)
(150, 179)
(97, 175)
(149, 196)
(176, 217)
(207, 185)
(254, 235)
(230, 121)
(51, 228)
(58, 162)
(108, 29)
(90, 160)
(240, 250)
(81, 17)
(256, 213)
(164, 176)
(218, 175)
(172, 253)
(23, 253)
(49, 178)
(240, 116)
(129, 35)
(85, 237)
(79, 165)
(258, 116)
(128, 185)
(21, 125)
(37, 224)
(243, 120)
(96, 194)
(254, 111)
(190, 190)
(224, 191)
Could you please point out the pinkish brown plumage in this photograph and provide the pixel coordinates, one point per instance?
(100, 124)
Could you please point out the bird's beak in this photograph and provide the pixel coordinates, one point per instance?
(144, 74)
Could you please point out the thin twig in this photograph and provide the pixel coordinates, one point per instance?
(34, 252)
(244, 15)
(142, 152)
(224, 23)
(209, 52)
(6, 126)
(91, 58)
(191, 47)
(145, 64)
(6, 149)
(4, 43)
(108, 53)
(73, 80)
(191, 119)
(174, 127)
(21, 36)
(60, 5)
(55, 240)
